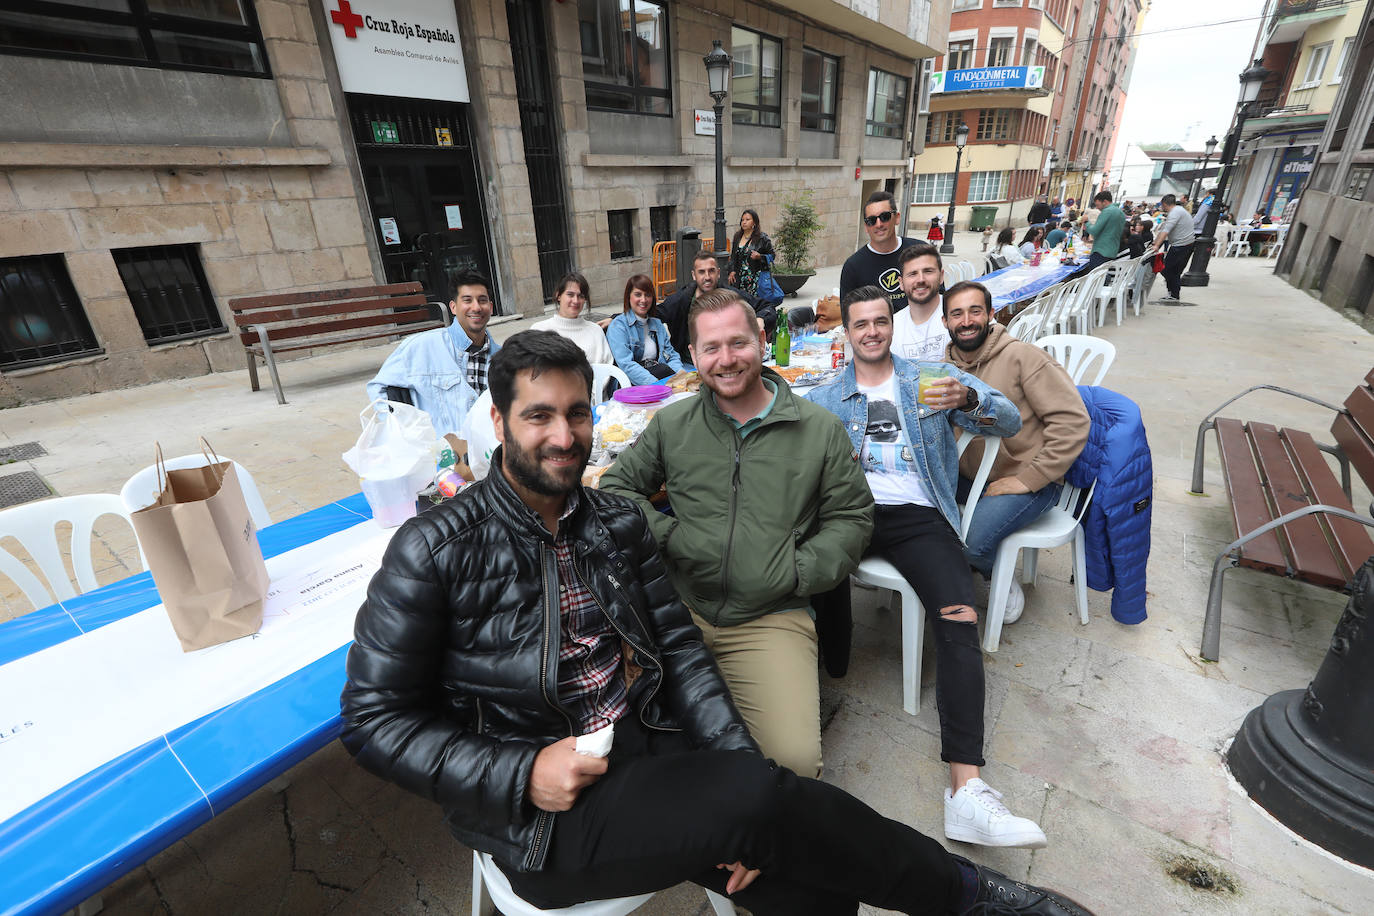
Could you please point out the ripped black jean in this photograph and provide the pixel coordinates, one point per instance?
(927, 552)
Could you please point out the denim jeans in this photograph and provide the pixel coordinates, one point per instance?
(998, 516)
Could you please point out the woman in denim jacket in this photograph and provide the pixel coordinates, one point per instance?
(639, 341)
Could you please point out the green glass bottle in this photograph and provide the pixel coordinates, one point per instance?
(782, 341)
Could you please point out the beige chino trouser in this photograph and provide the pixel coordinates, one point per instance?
(770, 666)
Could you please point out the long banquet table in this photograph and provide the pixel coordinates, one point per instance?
(77, 840)
(1020, 282)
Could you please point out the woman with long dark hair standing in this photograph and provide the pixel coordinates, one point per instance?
(640, 342)
(751, 252)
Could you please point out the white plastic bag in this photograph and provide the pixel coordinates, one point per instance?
(480, 434)
(394, 458)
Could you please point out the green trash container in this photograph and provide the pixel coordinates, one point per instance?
(983, 217)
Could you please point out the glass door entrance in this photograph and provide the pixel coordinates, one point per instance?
(421, 182)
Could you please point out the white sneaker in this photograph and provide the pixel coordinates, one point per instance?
(1168, 298)
(975, 814)
(1016, 603)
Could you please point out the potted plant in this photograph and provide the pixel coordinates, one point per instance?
(792, 239)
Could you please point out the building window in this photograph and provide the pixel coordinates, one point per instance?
(960, 56)
(622, 226)
(1028, 52)
(661, 224)
(625, 55)
(933, 188)
(820, 77)
(984, 186)
(169, 293)
(755, 78)
(886, 104)
(998, 123)
(1000, 52)
(941, 126)
(967, 5)
(41, 319)
(1316, 65)
(1343, 62)
(219, 36)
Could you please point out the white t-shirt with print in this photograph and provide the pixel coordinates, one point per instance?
(926, 340)
(887, 458)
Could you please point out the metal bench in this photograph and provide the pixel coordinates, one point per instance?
(285, 322)
(1292, 516)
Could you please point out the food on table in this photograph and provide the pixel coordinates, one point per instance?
(684, 382)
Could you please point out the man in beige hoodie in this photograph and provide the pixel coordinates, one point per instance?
(1026, 479)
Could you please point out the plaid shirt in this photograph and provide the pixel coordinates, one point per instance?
(589, 676)
(479, 358)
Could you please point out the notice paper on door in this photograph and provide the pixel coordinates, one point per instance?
(85, 701)
(390, 234)
(454, 216)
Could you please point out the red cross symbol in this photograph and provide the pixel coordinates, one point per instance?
(345, 17)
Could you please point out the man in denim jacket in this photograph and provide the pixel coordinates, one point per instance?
(444, 370)
(907, 450)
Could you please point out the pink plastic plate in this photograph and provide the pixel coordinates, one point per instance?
(642, 394)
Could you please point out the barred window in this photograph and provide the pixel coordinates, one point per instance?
(941, 126)
(985, 186)
(933, 188)
(169, 293)
(41, 319)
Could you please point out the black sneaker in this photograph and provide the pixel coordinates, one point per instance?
(999, 895)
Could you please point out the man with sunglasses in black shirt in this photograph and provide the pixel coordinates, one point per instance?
(875, 264)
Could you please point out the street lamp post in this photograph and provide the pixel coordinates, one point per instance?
(718, 80)
(1250, 82)
(1211, 147)
(1054, 164)
(960, 138)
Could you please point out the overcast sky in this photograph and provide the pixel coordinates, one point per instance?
(1186, 81)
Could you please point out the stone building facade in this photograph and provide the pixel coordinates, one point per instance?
(247, 157)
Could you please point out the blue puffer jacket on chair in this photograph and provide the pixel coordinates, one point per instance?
(1116, 527)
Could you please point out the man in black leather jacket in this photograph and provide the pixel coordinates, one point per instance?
(528, 611)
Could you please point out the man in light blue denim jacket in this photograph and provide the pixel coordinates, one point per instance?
(906, 445)
(444, 370)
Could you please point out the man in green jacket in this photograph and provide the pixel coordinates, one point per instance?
(1105, 230)
(770, 507)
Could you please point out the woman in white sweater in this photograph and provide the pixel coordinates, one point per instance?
(571, 300)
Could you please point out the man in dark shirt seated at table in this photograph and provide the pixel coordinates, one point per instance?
(673, 310)
(529, 612)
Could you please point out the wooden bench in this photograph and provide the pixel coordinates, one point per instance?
(281, 323)
(1292, 516)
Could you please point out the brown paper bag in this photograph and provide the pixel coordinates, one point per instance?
(202, 549)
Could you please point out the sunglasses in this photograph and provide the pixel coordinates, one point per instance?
(881, 217)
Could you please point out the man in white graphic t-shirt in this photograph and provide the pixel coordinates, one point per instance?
(918, 331)
(906, 447)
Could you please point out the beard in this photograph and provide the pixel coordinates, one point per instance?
(973, 343)
(525, 468)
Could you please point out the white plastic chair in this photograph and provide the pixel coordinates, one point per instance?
(1026, 325)
(603, 373)
(491, 890)
(141, 490)
(1076, 352)
(1059, 305)
(1276, 246)
(952, 275)
(879, 573)
(1238, 245)
(1060, 524)
(1081, 313)
(34, 525)
(1116, 283)
(968, 270)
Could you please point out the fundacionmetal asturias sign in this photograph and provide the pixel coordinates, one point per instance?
(987, 78)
